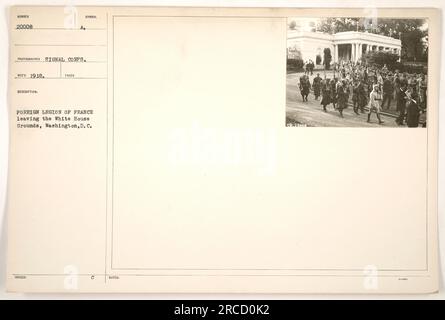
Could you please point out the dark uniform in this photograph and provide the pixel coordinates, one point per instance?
(388, 89)
(355, 96)
(423, 93)
(316, 85)
(362, 97)
(401, 101)
(305, 86)
(333, 91)
(412, 109)
(343, 95)
(325, 93)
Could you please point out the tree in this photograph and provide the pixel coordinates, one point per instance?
(411, 32)
(318, 59)
(327, 58)
(412, 46)
(334, 25)
(381, 58)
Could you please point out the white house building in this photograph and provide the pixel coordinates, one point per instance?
(349, 45)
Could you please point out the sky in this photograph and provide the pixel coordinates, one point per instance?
(304, 24)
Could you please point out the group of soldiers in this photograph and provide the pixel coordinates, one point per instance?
(371, 88)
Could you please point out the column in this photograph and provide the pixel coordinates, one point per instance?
(354, 46)
(352, 51)
(355, 52)
(360, 50)
(357, 49)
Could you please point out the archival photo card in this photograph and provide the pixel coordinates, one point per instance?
(149, 150)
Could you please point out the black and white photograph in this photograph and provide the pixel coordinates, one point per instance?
(357, 72)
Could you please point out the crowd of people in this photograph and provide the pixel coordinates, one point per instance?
(370, 89)
(309, 67)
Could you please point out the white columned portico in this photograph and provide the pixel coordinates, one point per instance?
(309, 44)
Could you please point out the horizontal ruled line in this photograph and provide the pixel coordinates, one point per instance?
(55, 78)
(68, 29)
(217, 275)
(41, 61)
(57, 45)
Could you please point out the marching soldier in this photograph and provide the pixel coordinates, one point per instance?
(422, 91)
(362, 96)
(388, 90)
(316, 85)
(342, 94)
(333, 91)
(412, 108)
(401, 102)
(311, 66)
(307, 67)
(355, 95)
(305, 86)
(325, 93)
